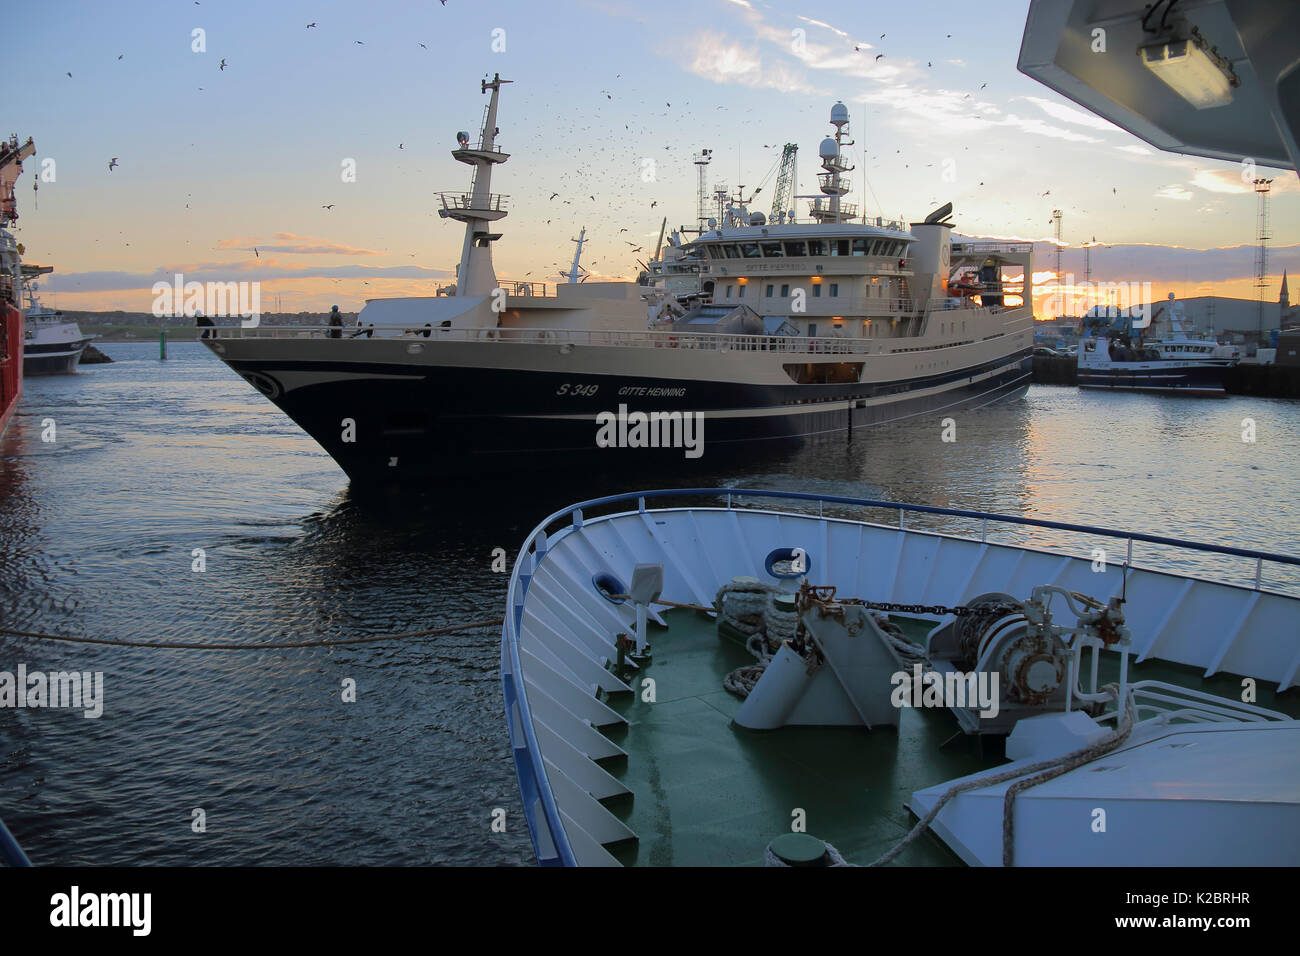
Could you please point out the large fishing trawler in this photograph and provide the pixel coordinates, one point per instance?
(805, 328)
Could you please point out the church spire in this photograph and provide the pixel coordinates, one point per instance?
(1284, 299)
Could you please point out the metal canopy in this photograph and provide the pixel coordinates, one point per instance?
(1262, 123)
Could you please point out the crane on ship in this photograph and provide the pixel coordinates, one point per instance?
(784, 193)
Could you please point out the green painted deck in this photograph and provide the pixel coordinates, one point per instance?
(709, 793)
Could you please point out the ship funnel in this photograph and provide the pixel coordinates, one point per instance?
(941, 214)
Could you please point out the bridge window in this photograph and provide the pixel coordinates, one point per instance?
(732, 252)
(749, 250)
(796, 248)
(772, 250)
(816, 247)
(859, 247)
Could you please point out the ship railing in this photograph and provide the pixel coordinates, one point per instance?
(467, 202)
(530, 289)
(984, 248)
(528, 756)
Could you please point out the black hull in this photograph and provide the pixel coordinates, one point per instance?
(457, 422)
(1206, 380)
(53, 359)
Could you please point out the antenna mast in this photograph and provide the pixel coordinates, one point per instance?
(703, 205)
(1262, 187)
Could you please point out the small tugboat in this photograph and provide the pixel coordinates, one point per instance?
(52, 346)
(690, 675)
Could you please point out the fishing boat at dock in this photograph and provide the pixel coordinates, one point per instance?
(52, 345)
(802, 327)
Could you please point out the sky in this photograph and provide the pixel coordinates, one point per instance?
(609, 103)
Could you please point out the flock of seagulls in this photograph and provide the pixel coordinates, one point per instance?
(608, 165)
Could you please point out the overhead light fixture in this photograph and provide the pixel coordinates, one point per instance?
(1193, 69)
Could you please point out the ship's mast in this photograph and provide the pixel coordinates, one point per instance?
(476, 275)
(833, 182)
(576, 271)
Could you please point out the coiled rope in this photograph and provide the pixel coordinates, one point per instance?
(274, 646)
(771, 859)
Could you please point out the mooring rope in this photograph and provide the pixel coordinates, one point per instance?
(1054, 766)
(275, 646)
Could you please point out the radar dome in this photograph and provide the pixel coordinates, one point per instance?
(839, 114)
(829, 149)
(757, 219)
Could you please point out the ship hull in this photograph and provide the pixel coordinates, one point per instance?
(392, 424)
(59, 359)
(11, 362)
(1198, 380)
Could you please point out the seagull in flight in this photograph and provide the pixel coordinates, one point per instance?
(222, 67)
(111, 163)
(421, 44)
(311, 25)
(879, 57)
(256, 253)
(330, 206)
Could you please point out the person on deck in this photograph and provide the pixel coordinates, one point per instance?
(336, 323)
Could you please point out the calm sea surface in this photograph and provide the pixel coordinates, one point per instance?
(152, 460)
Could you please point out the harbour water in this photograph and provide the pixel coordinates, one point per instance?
(151, 460)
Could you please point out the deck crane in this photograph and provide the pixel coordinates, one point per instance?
(783, 196)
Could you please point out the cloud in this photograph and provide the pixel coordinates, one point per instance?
(1135, 150)
(1172, 191)
(226, 272)
(819, 23)
(721, 60)
(1234, 181)
(297, 245)
(1068, 114)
